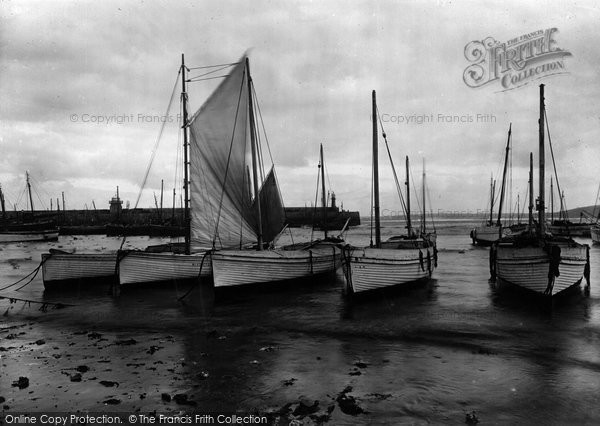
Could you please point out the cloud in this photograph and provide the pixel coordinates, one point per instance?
(314, 67)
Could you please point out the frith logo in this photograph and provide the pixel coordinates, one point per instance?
(515, 62)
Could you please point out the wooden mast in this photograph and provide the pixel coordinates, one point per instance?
(323, 197)
(424, 209)
(186, 210)
(376, 176)
(2, 203)
(552, 201)
(254, 165)
(498, 222)
(408, 222)
(29, 191)
(541, 200)
(491, 200)
(531, 192)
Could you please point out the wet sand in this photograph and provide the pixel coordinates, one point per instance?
(152, 353)
(450, 352)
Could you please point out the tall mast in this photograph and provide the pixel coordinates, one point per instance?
(254, 161)
(376, 176)
(491, 200)
(408, 223)
(324, 199)
(552, 201)
(29, 191)
(531, 192)
(499, 223)
(162, 188)
(541, 200)
(186, 209)
(424, 209)
(2, 203)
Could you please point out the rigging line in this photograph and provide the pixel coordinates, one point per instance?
(372, 193)
(237, 111)
(209, 72)
(415, 190)
(155, 148)
(35, 186)
(315, 205)
(398, 187)
(212, 66)
(596, 201)
(259, 154)
(262, 123)
(431, 210)
(554, 165)
(195, 80)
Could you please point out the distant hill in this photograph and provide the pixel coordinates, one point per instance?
(576, 212)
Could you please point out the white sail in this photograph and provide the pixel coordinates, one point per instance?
(222, 212)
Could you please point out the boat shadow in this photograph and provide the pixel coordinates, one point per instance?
(508, 296)
(418, 292)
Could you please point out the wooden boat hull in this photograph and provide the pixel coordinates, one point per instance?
(528, 267)
(23, 237)
(485, 235)
(371, 269)
(60, 268)
(138, 267)
(244, 267)
(595, 234)
(574, 230)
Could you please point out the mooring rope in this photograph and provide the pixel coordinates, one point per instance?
(43, 308)
(34, 272)
(207, 253)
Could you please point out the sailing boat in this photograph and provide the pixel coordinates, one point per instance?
(250, 203)
(563, 226)
(27, 230)
(174, 262)
(397, 261)
(488, 233)
(536, 260)
(169, 263)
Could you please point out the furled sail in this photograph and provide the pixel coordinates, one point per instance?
(221, 205)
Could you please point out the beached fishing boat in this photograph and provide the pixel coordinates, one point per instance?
(258, 210)
(26, 230)
(536, 260)
(63, 270)
(491, 231)
(164, 263)
(595, 233)
(563, 226)
(400, 260)
(170, 263)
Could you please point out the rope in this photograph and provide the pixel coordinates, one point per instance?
(493, 253)
(314, 218)
(155, 148)
(563, 207)
(208, 252)
(237, 111)
(35, 272)
(57, 305)
(346, 255)
(398, 187)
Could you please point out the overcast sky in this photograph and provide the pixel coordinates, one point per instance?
(314, 65)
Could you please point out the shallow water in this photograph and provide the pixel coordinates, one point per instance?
(430, 354)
